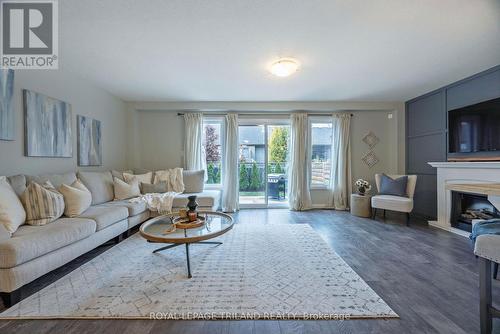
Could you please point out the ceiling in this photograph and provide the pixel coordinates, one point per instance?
(220, 50)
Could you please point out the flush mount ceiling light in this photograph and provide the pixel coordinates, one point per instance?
(284, 67)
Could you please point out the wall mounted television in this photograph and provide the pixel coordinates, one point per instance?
(474, 132)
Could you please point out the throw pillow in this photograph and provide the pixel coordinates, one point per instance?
(12, 214)
(77, 198)
(43, 203)
(173, 178)
(142, 178)
(148, 188)
(194, 181)
(124, 190)
(395, 187)
(119, 174)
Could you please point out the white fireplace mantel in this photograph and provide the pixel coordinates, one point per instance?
(478, 164)
(459, 173)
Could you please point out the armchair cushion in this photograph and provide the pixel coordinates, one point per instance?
(395, 187)
(488, 246)
(393, 203)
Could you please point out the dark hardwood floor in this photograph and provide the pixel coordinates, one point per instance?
(428, 276)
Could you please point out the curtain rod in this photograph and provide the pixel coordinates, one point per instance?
(266, 114)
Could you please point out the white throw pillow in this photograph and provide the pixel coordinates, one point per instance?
(125, 190)
(142, 178)
(77, 198)
(173, 178)
(12, 214)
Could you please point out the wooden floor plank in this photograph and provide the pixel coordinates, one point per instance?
(428, 276)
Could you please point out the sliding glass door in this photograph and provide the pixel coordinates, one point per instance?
(263, 164)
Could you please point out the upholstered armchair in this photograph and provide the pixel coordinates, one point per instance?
(392, 202)
(487, 248)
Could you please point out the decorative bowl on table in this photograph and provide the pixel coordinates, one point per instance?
(185, 223)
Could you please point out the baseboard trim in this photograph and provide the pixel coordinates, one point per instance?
(322, 206)
(434, 223)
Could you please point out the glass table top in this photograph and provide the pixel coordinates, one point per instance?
(159, 229)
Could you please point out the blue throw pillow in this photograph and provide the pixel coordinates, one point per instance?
(395, 187)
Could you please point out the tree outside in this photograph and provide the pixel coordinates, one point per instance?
(212, 153)
(278, 149)
(244, 179)
(212, 150)
(255, 179)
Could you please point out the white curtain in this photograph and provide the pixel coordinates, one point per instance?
(230, 172)
(341, 183)
(299, 194)
(194, 157)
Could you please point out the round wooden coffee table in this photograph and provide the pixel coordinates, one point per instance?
(158, 230)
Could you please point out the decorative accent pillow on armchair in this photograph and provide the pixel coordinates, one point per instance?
(394, 187)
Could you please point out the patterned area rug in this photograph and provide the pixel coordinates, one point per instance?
(260, 272)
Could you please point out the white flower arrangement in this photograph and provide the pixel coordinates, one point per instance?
(363, 186)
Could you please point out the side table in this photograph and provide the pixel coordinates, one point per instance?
(361, 205)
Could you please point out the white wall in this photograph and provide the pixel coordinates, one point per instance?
(86, 100)
(386, 150)
(159, 133)
(161, 140)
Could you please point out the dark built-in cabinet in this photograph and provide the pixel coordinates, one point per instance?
(427, 129)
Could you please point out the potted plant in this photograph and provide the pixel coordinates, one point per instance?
(363, 186)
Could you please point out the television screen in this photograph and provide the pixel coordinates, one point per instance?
(474, 129)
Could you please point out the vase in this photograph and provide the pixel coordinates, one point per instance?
(192, 204)
(361, 191)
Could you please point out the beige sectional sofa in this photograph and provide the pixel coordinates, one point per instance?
(33, 251)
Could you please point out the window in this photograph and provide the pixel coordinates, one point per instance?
(321, 148)
(212, 148)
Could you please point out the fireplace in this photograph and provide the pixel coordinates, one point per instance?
(466, 208)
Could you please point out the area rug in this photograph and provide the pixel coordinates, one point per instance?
(261, 271)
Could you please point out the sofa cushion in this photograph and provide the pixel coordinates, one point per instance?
(488, 246)
(134, 208)
(140, 171)
(12, 214)
(393, 203)
(56, 179)
(30, 242)
(18, 183)
(105, 216)
(208, 198)
(100, 185)
(4, 234)
(194, 181)
(43, 203)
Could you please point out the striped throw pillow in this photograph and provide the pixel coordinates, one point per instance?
(43, 203)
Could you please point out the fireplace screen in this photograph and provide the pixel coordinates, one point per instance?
(468, 208)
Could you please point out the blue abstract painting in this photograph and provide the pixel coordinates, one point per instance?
(89, 141)
(6, 105)
(47, 123)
